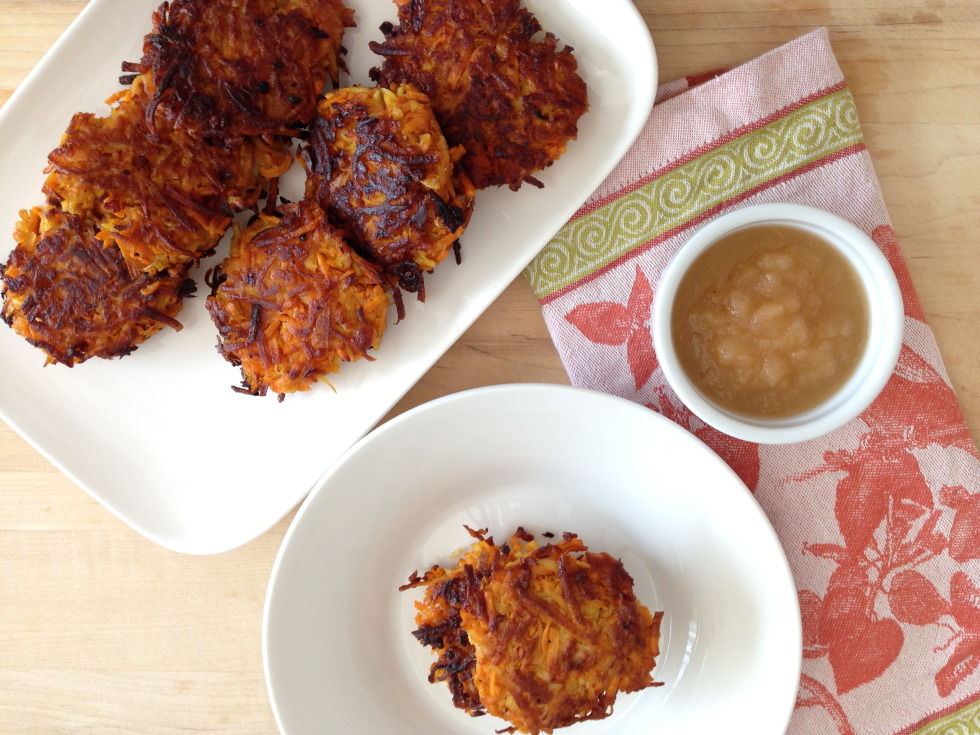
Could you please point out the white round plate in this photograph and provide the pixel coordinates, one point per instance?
(339, 654)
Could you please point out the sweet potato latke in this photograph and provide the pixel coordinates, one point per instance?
(379, 165)
(68, 294)
(229, 68)
(163, 197)
(510, 97)
(155, 182)
(541, 636)
(292, 301)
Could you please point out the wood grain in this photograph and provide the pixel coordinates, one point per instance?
(103, 631)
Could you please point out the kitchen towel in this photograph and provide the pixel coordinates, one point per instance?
(880, 520)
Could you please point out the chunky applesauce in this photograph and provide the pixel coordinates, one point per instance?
(770, 321)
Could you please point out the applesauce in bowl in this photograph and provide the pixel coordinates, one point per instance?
(770, 321)
(778, 323)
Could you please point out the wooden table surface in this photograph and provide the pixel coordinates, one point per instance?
(102, 631)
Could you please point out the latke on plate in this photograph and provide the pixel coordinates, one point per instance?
(293, 301)
(228, 68)
(500, 88)
(378, 164)
(163, 197)
(74, 298)
(541, 636)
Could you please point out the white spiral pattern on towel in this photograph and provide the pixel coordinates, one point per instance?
(802, 137)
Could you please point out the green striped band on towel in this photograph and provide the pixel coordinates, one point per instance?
(964, 721)
(798, 139)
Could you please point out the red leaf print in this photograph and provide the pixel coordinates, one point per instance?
(853, 660)
(919, 412)
(810, 604)
(953, 496)
(964, 535)
(928, 539)
(915, 368)
(641, 298)
(900, 473)
(882, 476)
(605, 323)
(612, 324)
(884, 237)
(640, 356)
(848, 594)
(935, 544)
(846, 626)
(829, 551)
(861, 505)
(964, 597)
(961, 664)
(914, 599)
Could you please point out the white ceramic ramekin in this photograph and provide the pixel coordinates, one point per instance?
(886, 325)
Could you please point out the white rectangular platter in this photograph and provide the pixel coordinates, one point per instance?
(159, 438)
